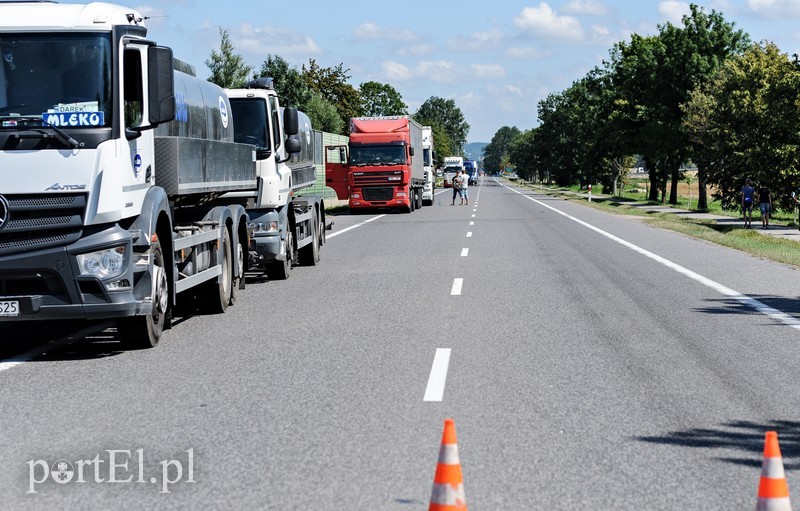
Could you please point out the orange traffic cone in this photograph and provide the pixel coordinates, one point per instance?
(448, 483)
(773, 492)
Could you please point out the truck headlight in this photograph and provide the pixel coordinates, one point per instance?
(271, 226)
(103, 264)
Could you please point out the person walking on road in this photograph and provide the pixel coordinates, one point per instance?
(456, 186)
(765, 205)
(464, 192)
(748, 194)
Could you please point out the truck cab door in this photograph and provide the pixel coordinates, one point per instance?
(336, 169)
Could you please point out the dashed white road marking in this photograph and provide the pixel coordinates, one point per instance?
(469, 234)
(438, 377)
(456, 289)
(464, 252)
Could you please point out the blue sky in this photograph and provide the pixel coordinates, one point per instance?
(496, 59)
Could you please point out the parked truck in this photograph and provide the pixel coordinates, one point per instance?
(118, 166)
(428, 158)
(471, 168)
(385, 167)
(286, 229)
(452, 164)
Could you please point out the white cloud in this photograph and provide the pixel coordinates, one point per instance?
(590, 7)
(488, 71)
(526, 53)
(371, 32)
(673, 11)
(282, 41)
(418, 49)
(775, 9)
(478, 41)
(514, 90)
(396, 71)
(544, 22)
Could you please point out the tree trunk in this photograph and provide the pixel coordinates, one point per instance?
(702, 195)
(653, 176)
(673, 191)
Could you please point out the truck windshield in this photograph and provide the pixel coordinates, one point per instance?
(250, 122)
(378, 155)
(63, 78)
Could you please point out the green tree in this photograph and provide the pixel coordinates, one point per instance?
(445, 113)
(747, 122)
(227, 68)
(288, 82)
(323, 115)
(442, 144)
(381, 99)
(496, 153)
(331, 84)
(522, 155)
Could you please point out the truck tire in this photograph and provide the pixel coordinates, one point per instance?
(239, 281)
(418, 198)
(141, 332)
(216, 293)
(280, 270)
(309, 255)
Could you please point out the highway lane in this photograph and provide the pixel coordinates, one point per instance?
(581, 374)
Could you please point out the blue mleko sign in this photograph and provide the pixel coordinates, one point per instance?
(75, 119)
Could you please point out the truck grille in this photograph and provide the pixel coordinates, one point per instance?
(378, 193)
(41, 221)
(394, 177)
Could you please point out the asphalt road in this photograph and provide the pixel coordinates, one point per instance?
(594, 363)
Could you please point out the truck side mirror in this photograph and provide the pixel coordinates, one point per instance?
(343, 155)
(290, 122)
(292, 145)
(161, 85)
(411, 151)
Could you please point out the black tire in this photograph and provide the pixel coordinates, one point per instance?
(216, 295)
(142, 332)
(239, 281)
(281, 270)
(412, 202)
(309, 255)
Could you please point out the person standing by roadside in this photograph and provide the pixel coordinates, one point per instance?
(464, 192)
(748, 198)
(765, 205)
(456, 186)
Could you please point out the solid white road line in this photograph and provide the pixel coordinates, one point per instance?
(716, 286)
(464, 252)
(456, 289)
(38, 351)
(365, 222)
(435, 389)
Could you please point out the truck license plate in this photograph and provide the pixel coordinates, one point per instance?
(9, 308)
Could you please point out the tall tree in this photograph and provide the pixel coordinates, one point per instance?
(445, 113)
(288, 82)
(496, 153)
(227, 68)
(323, 115)
(331, 84)
(381, 99)
(747, 121)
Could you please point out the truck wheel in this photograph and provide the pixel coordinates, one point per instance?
(217, 294)
(412, 203)
(418, 197)
(280, 270)
(310, 253)
(140, 332)
(238, 282)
